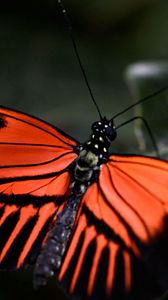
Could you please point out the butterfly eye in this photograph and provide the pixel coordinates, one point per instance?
(111, 133)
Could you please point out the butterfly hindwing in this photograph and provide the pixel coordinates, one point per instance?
(122, 219)
(34, 157)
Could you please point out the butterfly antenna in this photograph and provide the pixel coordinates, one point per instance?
(141, 100)
(69, 25)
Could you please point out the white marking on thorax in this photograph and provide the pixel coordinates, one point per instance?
(101, 139)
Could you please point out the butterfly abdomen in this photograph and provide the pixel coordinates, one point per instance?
(54, 249)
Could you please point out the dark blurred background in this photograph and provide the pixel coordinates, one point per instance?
(39, 74)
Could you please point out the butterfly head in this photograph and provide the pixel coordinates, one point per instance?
(105, 128)
(103, 133)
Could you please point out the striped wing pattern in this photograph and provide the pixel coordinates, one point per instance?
(31, 147)
(119, 247)
(34, 157)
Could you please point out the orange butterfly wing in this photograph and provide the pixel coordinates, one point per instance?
(34, 157)
(31, 147)
(117, 241)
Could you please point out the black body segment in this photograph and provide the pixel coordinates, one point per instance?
(49, 261)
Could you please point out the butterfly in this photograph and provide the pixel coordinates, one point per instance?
(97, 221)
(94, 220)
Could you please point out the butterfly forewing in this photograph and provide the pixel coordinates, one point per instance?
(30, 147)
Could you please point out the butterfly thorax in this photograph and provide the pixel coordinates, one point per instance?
(95, 151)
